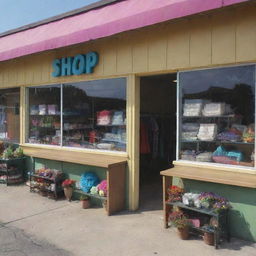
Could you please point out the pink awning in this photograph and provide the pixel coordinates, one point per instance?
(98, 23)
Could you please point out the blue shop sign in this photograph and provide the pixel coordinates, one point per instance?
(80, 64)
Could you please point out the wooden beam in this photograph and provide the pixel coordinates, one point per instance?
(211, 175)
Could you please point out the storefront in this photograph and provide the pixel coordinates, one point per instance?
(184, 81)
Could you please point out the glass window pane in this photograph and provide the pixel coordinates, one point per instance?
(94, 114)
(10, 115)
(218, 113)
(44, 115)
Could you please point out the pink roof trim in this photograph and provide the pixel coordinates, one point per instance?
(106, 21)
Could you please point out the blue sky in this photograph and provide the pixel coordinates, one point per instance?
(17, 13)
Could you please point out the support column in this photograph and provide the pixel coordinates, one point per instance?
(133, 139)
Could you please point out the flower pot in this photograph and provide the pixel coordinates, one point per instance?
(208, 238)
(183, 233)
(86, 204)
(68, 191)
(105, 204)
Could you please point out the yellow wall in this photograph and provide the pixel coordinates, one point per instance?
(223, 37)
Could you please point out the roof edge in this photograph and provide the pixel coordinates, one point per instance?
(77, 11)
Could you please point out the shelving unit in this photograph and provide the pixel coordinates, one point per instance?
(12, 171)
(221, 229)
(115, 199)
(97, 196)
(54, 188)
(222, 122)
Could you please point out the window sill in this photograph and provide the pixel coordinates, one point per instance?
(214, 174)
(216, 166)
(98, 158)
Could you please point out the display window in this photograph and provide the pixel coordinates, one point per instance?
(217, 115)
(44, 115)
(89, 114)
(10, 115)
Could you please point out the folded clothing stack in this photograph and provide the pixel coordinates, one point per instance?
(189, 155)
(192, 107)
(207, 132)
(213, 109)
(204, 157)
(190, 131)
(230, 135)
(221, 155)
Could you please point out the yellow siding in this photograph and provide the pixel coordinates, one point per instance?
(124, 55)
(223, 37)
(200, 41)
(178, 45)
(157, 47)
(246, 34)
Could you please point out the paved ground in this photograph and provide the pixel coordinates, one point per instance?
(36, 226)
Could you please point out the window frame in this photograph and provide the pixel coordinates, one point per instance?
(61, 146)
(213, 165)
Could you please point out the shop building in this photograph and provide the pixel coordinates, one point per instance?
(88, 89)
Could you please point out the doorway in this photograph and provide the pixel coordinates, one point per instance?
(157, 135)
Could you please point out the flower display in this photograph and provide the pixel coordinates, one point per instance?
(179, 219)
(102, 187)
(174, 193)
(215, 201)
(68, 183)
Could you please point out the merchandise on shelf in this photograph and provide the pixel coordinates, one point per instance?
(189, 135)
(88, 180)
(214, 109)
(52, 109)
(104, 117)
(207, 132)
(52, 174)
(249, 134)
(193, 107)
(221, 155)
(103, 188)
(118, 118)
(42, 109)
(204, 157)
(191, 199)
(232, 134)
(189, 155)
(34, 110)
(105, 146)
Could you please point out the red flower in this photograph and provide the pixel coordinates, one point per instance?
(68, 183)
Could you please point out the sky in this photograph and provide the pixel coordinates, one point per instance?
(17, 13)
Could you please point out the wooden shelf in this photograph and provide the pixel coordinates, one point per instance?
(74, 156)
(210, 175)
(103, 198)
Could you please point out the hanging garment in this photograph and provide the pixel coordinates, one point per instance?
(144, 139)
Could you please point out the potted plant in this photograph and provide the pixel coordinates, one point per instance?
(68, 186)
(179, 220)
(85, 201)
(208, 236)
(175, 193)
(207, 199)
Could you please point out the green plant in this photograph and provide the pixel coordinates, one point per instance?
(8, 153)
(178, 219)
(84, 197)
(18, 152)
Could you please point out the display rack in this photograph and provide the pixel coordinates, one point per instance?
(54, 186)
(115, 198)
(220, 230)
(12, 171)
